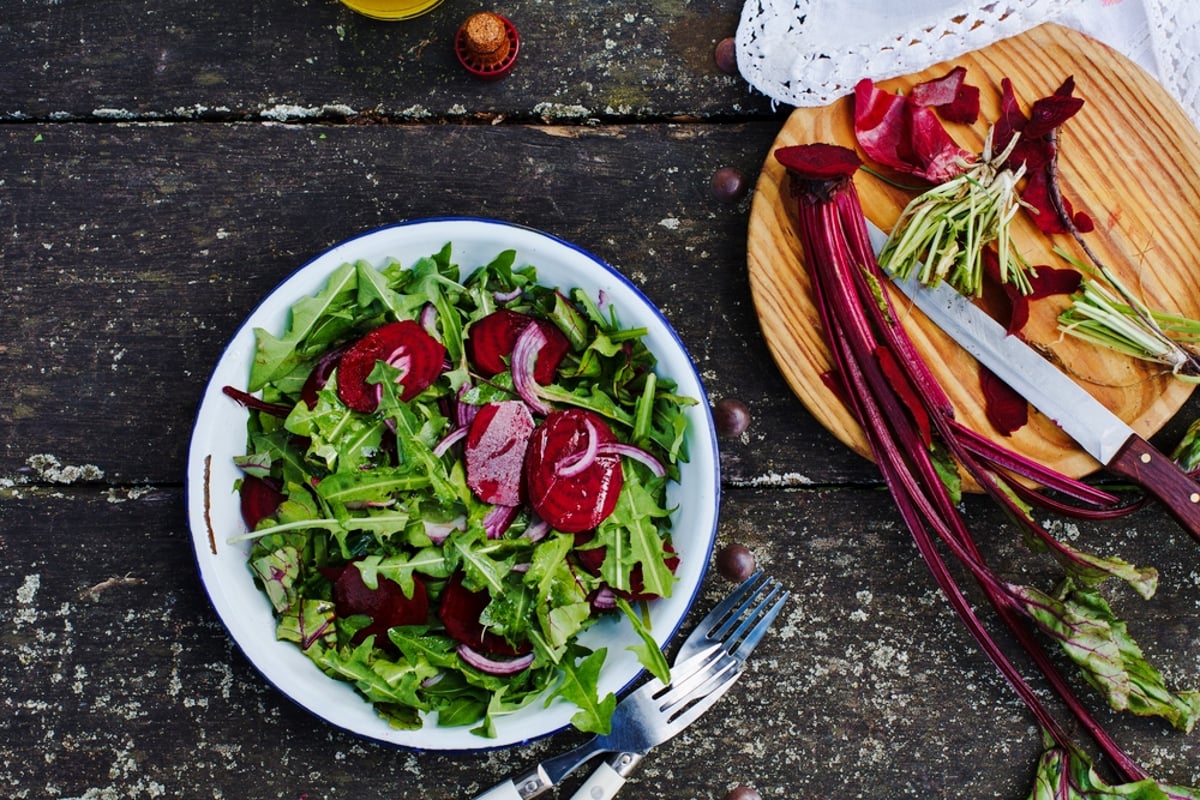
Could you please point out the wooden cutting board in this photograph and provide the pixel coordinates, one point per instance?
(1130, 158)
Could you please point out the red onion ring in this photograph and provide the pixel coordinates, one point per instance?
(579, 462)
(497, 520)
(605, 598)
(636, 453)
(448, 441)
(428, 319)
(537, 530)
(524, 358)
(494, 666)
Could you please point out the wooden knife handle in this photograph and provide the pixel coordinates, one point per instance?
(1138, 461)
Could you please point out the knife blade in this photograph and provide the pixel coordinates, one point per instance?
(1100, 432)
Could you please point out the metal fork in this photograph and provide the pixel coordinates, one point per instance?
(651, 715)
(708, 663)
(736, 625)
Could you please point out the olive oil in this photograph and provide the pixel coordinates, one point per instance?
(392, 9)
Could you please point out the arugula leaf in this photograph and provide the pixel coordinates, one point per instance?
(399, 567)
(648, 652)
(277, 356)
(579, 686)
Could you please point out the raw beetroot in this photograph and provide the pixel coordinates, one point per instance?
(954, 98)
(896, 132)
(405, 345)
(490, 342)
(495, 451)
(580, 499)
(386, 605)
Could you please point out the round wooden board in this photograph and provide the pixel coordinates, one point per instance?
(1130, 158)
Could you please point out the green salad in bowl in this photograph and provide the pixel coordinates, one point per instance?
(454, 485)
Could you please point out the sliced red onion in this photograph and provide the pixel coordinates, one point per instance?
(428, 319)
(401, 360)
(605, 598)
(497, 520)
(636, 453)
(438, 531)
(493, 666)
(464, 412)
(504, 297)
(524, 567)
(579, 462)
(524, 358)
(433, 680)
(537, 530)
(448, 441)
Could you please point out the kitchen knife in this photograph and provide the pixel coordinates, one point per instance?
(1096, 429)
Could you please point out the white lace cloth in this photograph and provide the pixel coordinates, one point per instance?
(810, 52)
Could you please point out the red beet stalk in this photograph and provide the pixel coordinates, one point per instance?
(897, 410)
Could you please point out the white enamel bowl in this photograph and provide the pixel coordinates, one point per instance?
(219, 435)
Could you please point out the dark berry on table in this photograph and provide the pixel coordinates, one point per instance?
(731, 416)
(735, 562)
(743, 792)
(729, 184)
(726, 56)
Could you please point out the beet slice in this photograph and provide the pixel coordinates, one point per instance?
(260, 498)
(460, 610)
(490, 342)
(405, 345)
(495, 451)
(580, 500)
(386, 605)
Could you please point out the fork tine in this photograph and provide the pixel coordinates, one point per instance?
(745, 614)
(755, 635)
(729, 626)
(684, 706)
(722, 609)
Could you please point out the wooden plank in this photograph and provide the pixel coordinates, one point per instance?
(119, 681)
(178, 59)
(132, 253)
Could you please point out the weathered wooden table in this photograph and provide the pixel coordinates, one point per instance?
(164, 164)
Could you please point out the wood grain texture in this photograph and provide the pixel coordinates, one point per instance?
(1130, 159)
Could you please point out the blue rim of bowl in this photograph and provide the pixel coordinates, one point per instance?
(702, 400)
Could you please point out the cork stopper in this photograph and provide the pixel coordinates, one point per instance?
(487, 45)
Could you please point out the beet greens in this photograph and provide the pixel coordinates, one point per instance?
(907, 419)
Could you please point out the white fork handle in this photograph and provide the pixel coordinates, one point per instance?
(608, 778)
(506, 790)
(523, 787)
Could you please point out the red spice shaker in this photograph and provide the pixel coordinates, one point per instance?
(487, 45)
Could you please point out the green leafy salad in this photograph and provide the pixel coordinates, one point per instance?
(448, 479)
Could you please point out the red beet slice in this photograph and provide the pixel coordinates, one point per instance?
(490, 343)
(459, 612)
(260, 498)
(582, 499)
(405, 345)
(495, 451)
(386, 605)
